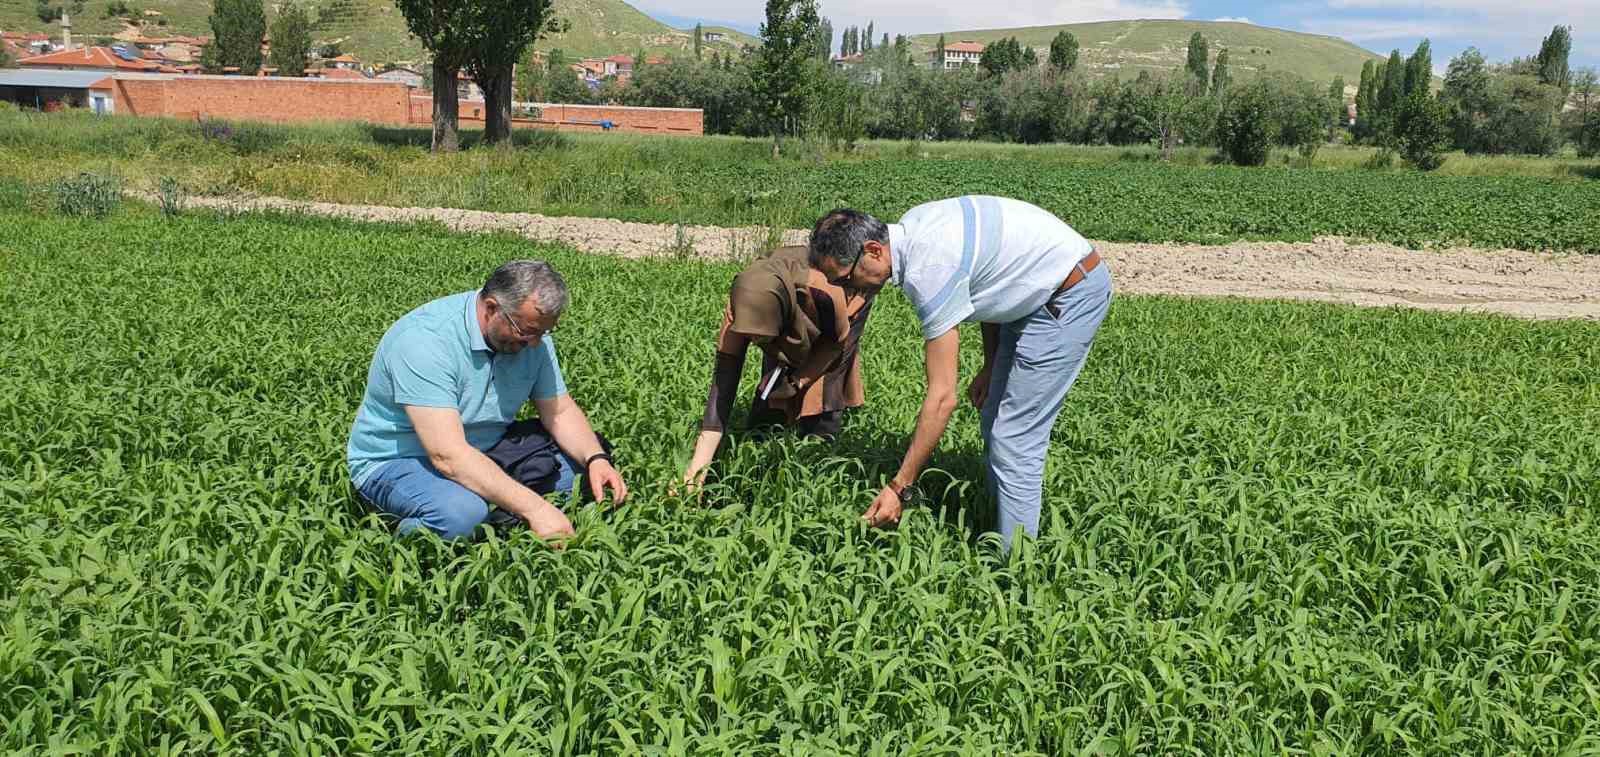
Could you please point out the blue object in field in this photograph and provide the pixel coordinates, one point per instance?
(607, 125)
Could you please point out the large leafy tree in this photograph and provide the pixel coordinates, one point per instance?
(1003, 56)
(1199, 64)
(1552, 59)
(499, 33)
(444, 29)
(1419, 70)
(788, 48)
(291, 40)
(1063, 52)
(1221, 77)
(237, 27)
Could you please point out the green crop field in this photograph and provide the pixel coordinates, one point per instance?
(1270, 528)
(732, 181)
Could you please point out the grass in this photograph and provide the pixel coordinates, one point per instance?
(1270, 527)
(1110, 194)
(1126, 48)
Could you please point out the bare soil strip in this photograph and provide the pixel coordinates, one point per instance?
(1511, 282)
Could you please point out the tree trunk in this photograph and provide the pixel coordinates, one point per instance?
(497, 106)
(446, 109)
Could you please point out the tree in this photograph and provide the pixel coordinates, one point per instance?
(1586, 113)
(564, 86)
(443, 28)
(847, 42)
(699, 40)
(866, 43)
(1063, 52)
(1221, 78)
(1364, 98)
(1000, 57)
(1553, 56)
(788, 39)
(825, 40)
(291, 40)
(237, 27)
(1391, 92)
(499, 34)
(1199, 61)
(531, 82)
(50, 13)
(1176, 111)
(938, 55)
(1246, 126)
(1419, 70)
(1336, 101)
(1422, 131)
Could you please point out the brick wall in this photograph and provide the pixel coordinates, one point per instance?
(685, 121)
(286, 100)
(263, 98)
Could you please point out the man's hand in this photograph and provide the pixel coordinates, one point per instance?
(978, 390)
(548, 522)
(885, 510)
(603, 476)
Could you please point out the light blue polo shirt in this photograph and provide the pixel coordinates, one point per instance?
(435, 356)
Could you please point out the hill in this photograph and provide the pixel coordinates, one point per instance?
(1124, 48)
(374, 30)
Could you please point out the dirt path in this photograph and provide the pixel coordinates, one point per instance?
(1527, 284)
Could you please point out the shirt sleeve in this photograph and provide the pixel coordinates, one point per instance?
(942, 296)
(549, 384)
(422, 375)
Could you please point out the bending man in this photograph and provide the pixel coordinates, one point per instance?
(1039, 289)
(808, 332)
(434, 443)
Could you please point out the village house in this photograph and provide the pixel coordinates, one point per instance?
(956, 55)
(713, 36)
(56, 89)
(405, 76)
(123, 58)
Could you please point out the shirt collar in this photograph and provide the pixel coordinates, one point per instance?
(897, 253)
(474, 331)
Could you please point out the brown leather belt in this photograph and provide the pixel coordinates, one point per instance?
(1080, 271)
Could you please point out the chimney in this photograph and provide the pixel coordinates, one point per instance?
(66, 31)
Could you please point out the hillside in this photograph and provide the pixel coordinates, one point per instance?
(375, 31)
(1125, 48)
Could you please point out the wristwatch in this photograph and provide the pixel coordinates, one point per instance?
(907, 494)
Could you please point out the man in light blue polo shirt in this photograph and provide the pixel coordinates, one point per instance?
(430, 443)
(1038, 288)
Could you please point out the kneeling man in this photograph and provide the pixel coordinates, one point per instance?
(434, 443)
(1040, 292)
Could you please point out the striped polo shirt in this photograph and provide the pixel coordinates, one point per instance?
(980, 258)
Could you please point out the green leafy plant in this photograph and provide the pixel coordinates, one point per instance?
(171, 195)
(87, 194)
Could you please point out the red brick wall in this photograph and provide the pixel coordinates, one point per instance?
(687, 121)
(264, 99)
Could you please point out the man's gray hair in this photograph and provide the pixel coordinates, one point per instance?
(841, 233)
(513, 283)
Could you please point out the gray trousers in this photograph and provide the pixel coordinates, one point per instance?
(1035, 363)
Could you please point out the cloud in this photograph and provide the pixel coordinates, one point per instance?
(1233, 20)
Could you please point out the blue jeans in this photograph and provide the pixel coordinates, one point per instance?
(413, 491)
(1035, 363)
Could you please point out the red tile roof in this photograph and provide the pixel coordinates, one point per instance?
(88, 57)
(340, 73)
(964, 47)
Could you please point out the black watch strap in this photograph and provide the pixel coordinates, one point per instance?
(594, 457)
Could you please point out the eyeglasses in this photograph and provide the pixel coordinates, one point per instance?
(526, 336)
(845, 279)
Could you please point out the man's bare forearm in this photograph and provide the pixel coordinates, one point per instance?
(931, 422)
(474, 470)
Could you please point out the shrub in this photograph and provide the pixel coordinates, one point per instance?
(1244, 131)
(1423, 131)
(172, 196)
(87, 194)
